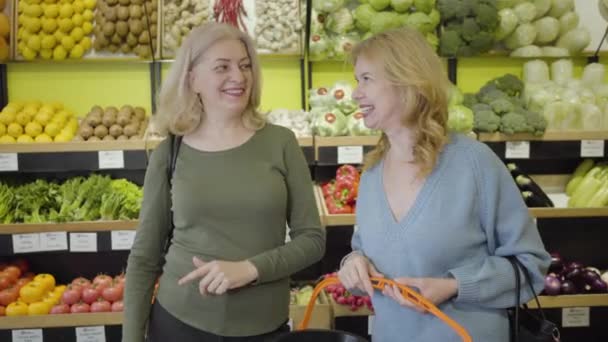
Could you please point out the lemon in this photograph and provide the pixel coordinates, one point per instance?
(86, 43)
(89, 4)
(77, 34)
(77, 51)
(59, 53)
(23, 118)
(34, 42)
(78, 6)
(67, 42)
(43, 138)
(50, 1)
(7, 139)
(59, 121)
(72, 125)
(21, 46)
(63, 137)
(52, 129)
(87, 27)
(28, 54)
(35, 1)
(48, 42)
(21, 19)
(88, 15)
(66, 11)
(58, 36)
(21, 6)
(34, 10)
(64, 114)
(13, 107)
(49, 25)
(33, 25)
(57, 105)
(7, 117)
(33, 129)
(51, 11)
(25, 139)
(32, 108)
(42, 118)
(66, 25)
(14, 130)
(2, 129)
(47, 108)
(46, 54)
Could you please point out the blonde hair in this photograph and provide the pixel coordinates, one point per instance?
(179, 109)
(411, 65)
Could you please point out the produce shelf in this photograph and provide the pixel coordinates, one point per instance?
(89, 226)
(65, 320)
(568, 212)
(566, 301)
(331, 219)
(345, 311)
(81, 146)
(548, 136)
(343, 150)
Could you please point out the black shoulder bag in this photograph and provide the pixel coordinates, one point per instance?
(527, 326)
(174, 144)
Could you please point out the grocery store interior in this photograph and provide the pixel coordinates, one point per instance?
(78, 86)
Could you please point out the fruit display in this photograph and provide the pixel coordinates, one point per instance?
(111, 123)
(568, 278)
(335, 113)
(337, 25)
(277, 26)
(77, 199)
(179, 18)
(343, 297)
(127, 26)
(53, 29)
(340, 194)
(588, 186)
(5, 29)
(296, 120)
(102, 294)
(302, 295)
(533, 194)
(28, 122)
(13, 276)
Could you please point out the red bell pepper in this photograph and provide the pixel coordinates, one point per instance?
(347, 171)
(346, 190)
(328, 188)
(337, 207)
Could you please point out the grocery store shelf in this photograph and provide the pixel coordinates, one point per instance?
(568, 212)
(343, 150)
(327, 219)
(589, 300)
(65, 320)
(79, 146)
(97, 226)
(346, 141)
(548, 136)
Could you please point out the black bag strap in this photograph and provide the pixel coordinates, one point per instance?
(174, 144)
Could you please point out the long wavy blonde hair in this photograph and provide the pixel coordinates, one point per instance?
(411, 65)
(180, 110)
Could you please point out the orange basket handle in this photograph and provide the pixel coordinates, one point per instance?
(406, 292)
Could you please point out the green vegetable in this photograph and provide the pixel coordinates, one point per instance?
(433, 40)
(523, 35)
(575, 40)
(363, 15)
(553, 51)
(401, 6)
(548, 30)
(478, 107)
(460, 119)
(383, 21)
(489, 93)
(344, 45)
(526, 12)
(6, 204)
(536, 122)
(527, 51)
(435, 17)
(327, 6)
(578, 175)
(450, 43)
(509, 84)
(340, 21)
(486, 121)
(328, 123)
(425, 6)
(379, 5)
(508, 23)
(501, 106)
(319, 47)
(561, 7)
(421, 22)
(455, 96)
(512, 123)
(469, 100)
(542, 7)
(568, 22)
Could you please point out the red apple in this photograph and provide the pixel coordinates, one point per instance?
(112, 293)
(101, 306)
(89, 295)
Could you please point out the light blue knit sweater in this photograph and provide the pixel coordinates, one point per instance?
(468, 215)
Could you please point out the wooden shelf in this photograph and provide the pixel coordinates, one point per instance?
(331, 219)
(65, 320)
(89, 226)
(130, 145)
(346, 141)
(306, 141)
(548, 136)
(568, 212)
(590, 300)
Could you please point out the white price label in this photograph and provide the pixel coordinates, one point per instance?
(111, 160)
(27, 335)
(592, 148)
(575, 317)
(350, 154)
(83, 242)
(9, 162)
(370, 324)
(122, 239)
(26, 243)
(54, 241)
(90, 334)
(518, 150)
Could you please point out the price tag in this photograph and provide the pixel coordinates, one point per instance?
(592, 148)
(83, 242)
(54, 241)
(26, 243)
(27, 335)
(122, 239)
(575, 317)
(518, 150)
(350, 154)
(111, 160)
(9, 162)
(90, 334)
(370, 324)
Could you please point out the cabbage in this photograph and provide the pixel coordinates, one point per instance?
(554, 113)
(542, 7)
(548, 30)
(401, 6)
(344, 45)
(586, 96)
(316, 24)
(460, 119)
(540, 98)
(435, 17)
(502, 4)
(328, 123)
(455, 96)
(526, 12)
(421, 22)
(601, 95)
(562, 71)
(320, 97)
(575, 40)
(568, 22)
(536, 71)
(508, 22)
(319, 47)
(327, 6)
(561, 7)
(356, 125)
(379, 5)
(424, 6)
(340, 21)
(593, 75)
(552, 51)
(383, 21)
(343, 93)
(523, 35)
(363, 16)
(527, 51)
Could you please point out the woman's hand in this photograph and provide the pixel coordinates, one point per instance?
(436, 290)
(355, 274)
(217, 276)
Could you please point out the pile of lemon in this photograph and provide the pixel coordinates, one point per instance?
(36, 122)
(55, 29)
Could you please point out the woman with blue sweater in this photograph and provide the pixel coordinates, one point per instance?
(438, 212)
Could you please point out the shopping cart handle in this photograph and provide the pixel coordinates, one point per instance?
(380, 283)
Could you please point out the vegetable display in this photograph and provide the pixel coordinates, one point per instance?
(568, 278)
(298, 121)
(343, 297)
(111, 123)
(340, 194)
(460, 118)
(278, 28)
(180, 17)
(230, 11)
(337, 25)
(34, 121)
(588, 186)
(532, 193)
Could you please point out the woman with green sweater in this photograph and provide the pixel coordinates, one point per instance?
(237, 181)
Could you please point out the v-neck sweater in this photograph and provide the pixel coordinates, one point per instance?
(466, 218)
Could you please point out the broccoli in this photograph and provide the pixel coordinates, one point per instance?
(484, 41)
(536, 122)
(451, 9)
(501, 106)
(469, 100)
(488, 94)
(512, 123)
(486, 121)
(510, 84)
(487, 16)
(449, 43)
(469, 29)
(478, 107)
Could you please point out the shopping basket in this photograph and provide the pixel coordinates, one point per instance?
(303, 335)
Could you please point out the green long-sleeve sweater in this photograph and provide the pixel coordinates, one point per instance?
(228, 205)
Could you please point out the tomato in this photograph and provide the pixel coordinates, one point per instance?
(71, 295)
(5, 281)
(47, 280)
(2, 311)
(117, 306)
(60, 289)
(112, 294)
(16, 309)
(82, 282)
(60, 309)
(22, 264)
(80, 308)
(8, 296)
(38, 308)
(91, 294)
(120, 279)
(51, 298)
(13, 272)
(101, 306)
(32, 292)
(102, 281)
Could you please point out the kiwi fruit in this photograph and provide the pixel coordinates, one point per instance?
(135, 11)
(109, 29)
(101, 131)
(134, 137)
(136, 26)
(115, 131)
(123, 120)
(93, 120)
(97, 110)
(122, 138)
(154, 18)
(123, 13)
(113, 48)
(131, 40)
(85, 131)
(139, 113)
(122, 28)
(130, 130)
(111, 2)
(111, 110)
(127, 109)
(97, 46)
(99, 18)
(116, 39)
(93, 138)
(108, 138)
(125, 48)
(110, 13)
(143, 51)
(108, 120)
(124, 2)
(144, 38)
